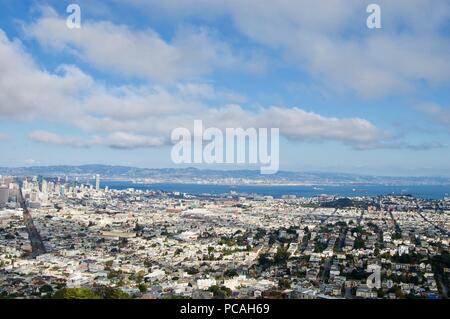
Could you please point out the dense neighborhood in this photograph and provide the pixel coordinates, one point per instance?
(151, 244)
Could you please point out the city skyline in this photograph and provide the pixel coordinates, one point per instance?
(63, 238)
(229, 157)
(345, 97)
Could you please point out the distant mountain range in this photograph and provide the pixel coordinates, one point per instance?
(186, 175)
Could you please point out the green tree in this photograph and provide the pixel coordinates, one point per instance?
(284, 284)
(45, 289)
(264, 261)
(220, 292)
(281, 256)
(112, 293)
(143, 288)
(230, 273)
(76, 293)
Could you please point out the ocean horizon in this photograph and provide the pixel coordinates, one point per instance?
(277, 191)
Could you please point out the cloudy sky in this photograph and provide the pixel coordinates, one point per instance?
(346, 98)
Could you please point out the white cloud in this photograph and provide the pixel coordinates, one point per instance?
(52, 138)
(297, 124)
(436, 113)
(118, 140)
(4, 137)
(330, 40)
(208, 91)
(129, 117)
(27, 91)
(30, 161)
(141, 53)
(123, 140)
(294, 123)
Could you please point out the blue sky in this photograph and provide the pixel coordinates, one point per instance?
(346, 98)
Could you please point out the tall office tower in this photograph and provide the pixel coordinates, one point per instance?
(44, 186)
(57, 189)
(13, 192)
(44, 195)
(97, 182)
(33, 196)
(4, 195)
(51, 187)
